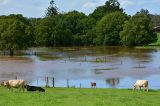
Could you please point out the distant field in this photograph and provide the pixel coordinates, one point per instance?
(80, 97)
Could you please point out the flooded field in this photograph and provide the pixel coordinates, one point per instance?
(110, 67)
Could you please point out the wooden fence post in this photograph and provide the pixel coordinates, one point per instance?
(16, 77)
(47, 82)
(53, 81)
(67, 83)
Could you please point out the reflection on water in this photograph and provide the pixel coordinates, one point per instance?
(108, 66)
(113, 82)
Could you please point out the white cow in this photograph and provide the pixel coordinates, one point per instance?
(19, 83)
(141, 84)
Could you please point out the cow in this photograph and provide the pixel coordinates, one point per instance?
(34, 88)
(10, 84)
(93, 85)
(141, 84)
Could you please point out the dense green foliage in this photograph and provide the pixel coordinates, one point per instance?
(109, 27)
(138, 31)
(102, 27)
(109, 7)
(15, 33)
(80, 97)
(63, 30)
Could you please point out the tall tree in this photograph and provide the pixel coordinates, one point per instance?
(138, 31)
(52, 10)
(15, 33)
(145, 12)
(109, 7)
(109, 27)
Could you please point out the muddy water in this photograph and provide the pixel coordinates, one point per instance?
(108, 66)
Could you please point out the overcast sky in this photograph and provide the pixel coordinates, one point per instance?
(36, 8)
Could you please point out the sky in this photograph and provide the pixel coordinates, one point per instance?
(37, 8)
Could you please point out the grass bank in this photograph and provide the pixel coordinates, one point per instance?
(152, 45)
(80, 97)
(158, 41)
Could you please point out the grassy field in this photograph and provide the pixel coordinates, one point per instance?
(158, 41)
(80, 97)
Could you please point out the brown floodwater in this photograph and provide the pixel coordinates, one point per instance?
(115, 67)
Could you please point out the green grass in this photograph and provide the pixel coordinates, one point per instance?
(80, 97)
(158, 41)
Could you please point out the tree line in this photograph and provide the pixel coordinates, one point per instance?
(107, 25)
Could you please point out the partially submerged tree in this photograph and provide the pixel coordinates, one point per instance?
(109, 27)
(138, 31)
(15, 33)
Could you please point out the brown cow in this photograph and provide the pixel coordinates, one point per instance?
(93, 85)
(19, 83)
(141, 84)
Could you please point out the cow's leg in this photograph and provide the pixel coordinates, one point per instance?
(139, 88)
(146, 88)
(23, 88)
(12, 89)
(20, 87)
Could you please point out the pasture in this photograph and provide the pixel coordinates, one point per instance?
(158, 41)
(80, 97)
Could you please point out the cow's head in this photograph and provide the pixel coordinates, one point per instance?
(134, 87)
(5, 83)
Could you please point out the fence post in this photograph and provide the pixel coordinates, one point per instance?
(16, 77)
(47, 82)
(53, 81)
(67, 83)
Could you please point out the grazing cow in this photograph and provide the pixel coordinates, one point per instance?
(10, 84)
(34, 88)
(141, 84)
(93, 85)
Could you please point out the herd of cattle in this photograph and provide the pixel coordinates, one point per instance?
(22, 85)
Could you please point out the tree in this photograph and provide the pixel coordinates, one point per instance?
(144, 11)
(109, 27)
(138, 31)
(52, 10)
(109, 7)
(15, 33)
(155, 19)
(53, 31)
